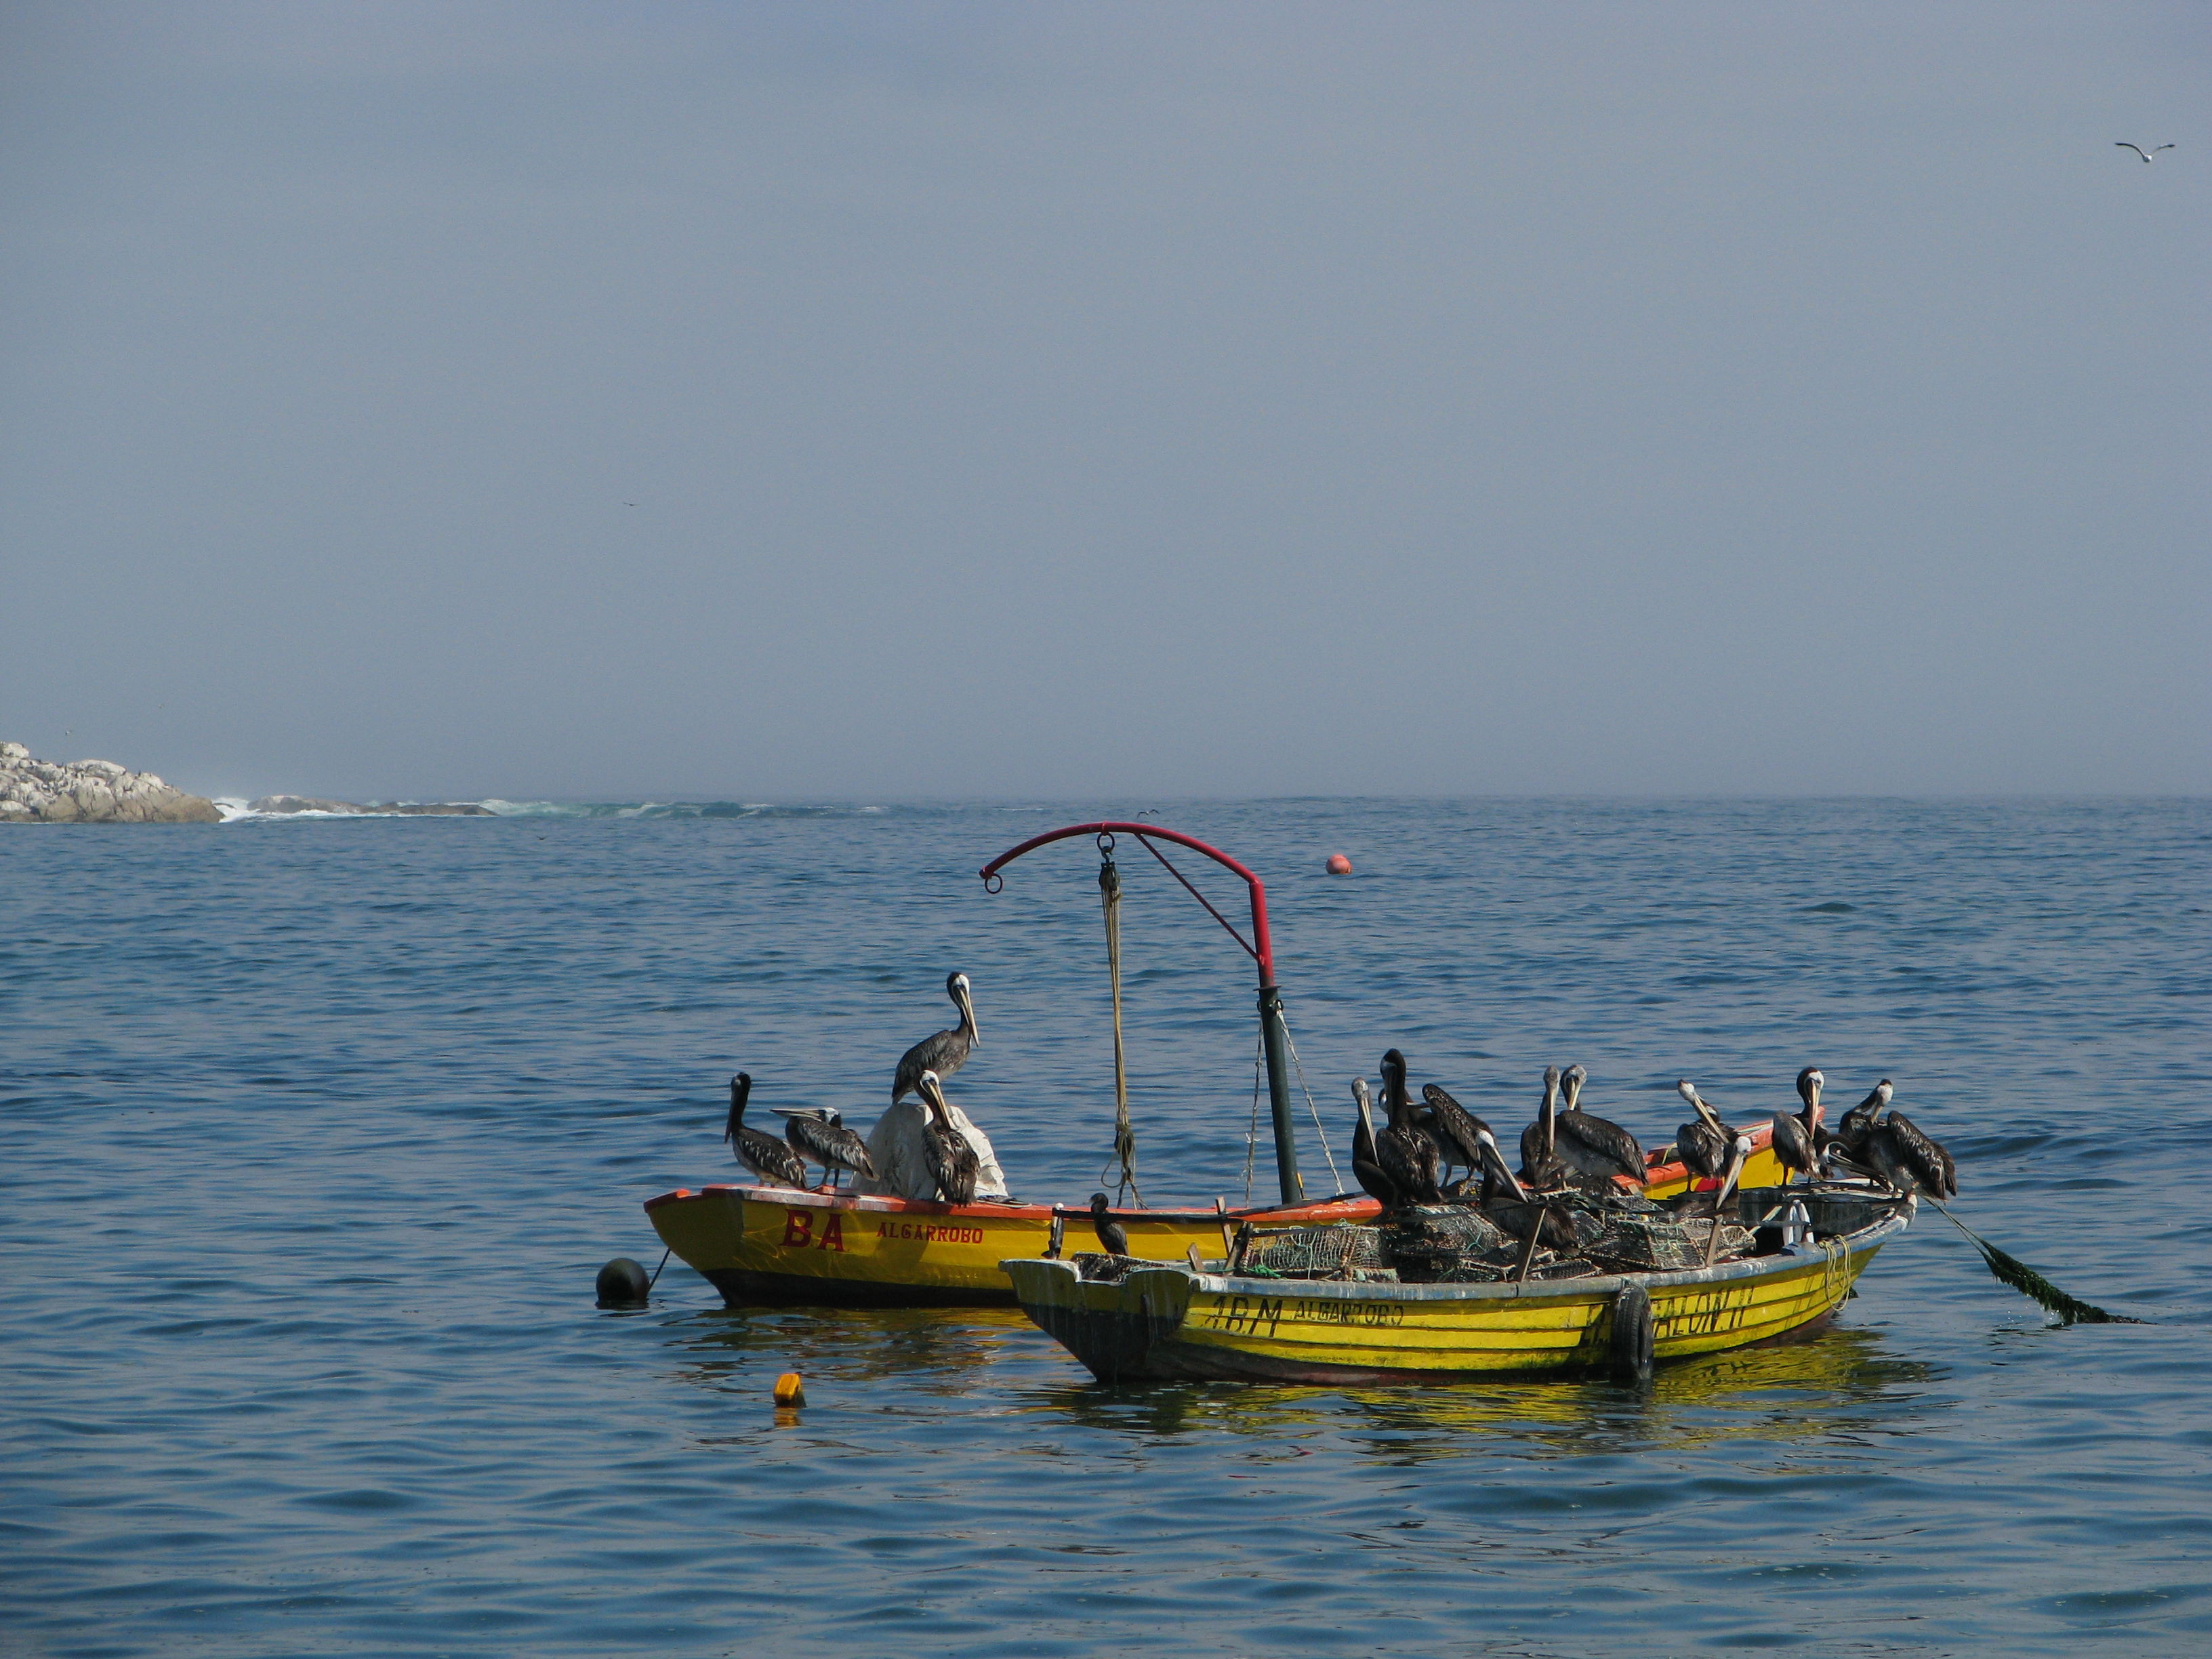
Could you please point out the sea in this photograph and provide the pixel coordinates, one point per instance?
(314, 1132)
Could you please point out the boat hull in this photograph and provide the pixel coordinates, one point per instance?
(774, 1245)
(1172, 1323)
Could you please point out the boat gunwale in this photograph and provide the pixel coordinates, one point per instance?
(1354, 1205)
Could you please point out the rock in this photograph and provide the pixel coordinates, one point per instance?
(90, 792)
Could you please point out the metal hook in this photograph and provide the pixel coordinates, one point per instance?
(1106, 843)
(995, 883)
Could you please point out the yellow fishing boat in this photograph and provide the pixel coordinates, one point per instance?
(775, 1244)
(1150, 1322)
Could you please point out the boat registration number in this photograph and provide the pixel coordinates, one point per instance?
(1250, 1316)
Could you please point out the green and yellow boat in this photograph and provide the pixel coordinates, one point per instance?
(1204, 1323)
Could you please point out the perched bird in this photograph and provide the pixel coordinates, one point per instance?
(2122, 143)
(1858, 1122)
(1716, 1203)
(1364, 1170)
(1112, 1238)
(1509, 1204)
(819, 1135)
(1592, 1146)
(1405, 1151)
(945, 1052)
(953, 1165)
(763, 1154)
(1539, 1161)
(1793, 1144)
(1703, 1144)
(1455, 1130)
(1907, 1160)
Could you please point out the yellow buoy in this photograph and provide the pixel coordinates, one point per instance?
(789, 1391)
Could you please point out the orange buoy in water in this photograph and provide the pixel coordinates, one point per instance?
(789, 1391)
(1339, 865)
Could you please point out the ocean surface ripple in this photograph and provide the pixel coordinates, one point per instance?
(314, 1132)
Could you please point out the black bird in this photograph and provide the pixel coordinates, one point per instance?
(1508, 1203)
(1908, 1160)
(1540, 1160)
(1793, 1144)
(1405, 1153)
(1703, 1144)
(1858, 1122)
(819, 1135)
(1111, 1236)
(1716, 1203)
(953, 1165)
(1455, 1130)
(1364, 1170)
(1593, 1145)
(763, 1154)
(945, 1052)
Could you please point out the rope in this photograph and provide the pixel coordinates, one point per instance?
(1320, 1133)
(1125, 1138)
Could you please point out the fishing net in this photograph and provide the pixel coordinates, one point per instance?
(1343, 1251)
(1636, 1243)
(1105, 1269)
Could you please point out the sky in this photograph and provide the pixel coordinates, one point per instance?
(897, 401)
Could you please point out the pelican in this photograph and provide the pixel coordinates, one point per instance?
(1455, 1130)
(1703, 1144)
(2122, 143)
(1795, 1146)
(1540, 1164)
(1508, 1203)
(818, 1135)
(953, 1165)
(1111, 1237)
(1404, 1151)
(944, 1054)
(763, 1154)
(1858, 1122)
(1364, 1170)
(1739, 1155)
(1591, 1146)
(1908, 1160)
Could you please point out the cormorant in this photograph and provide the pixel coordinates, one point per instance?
(1404, 1151)
(953, 1165)
(1364, 1170)
(1906, 1160)
(1111, 1236)
(945, 1052)
(1593, 1145)
(819, 1135)
(763, 1154)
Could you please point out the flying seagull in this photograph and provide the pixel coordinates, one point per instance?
(2122, 143)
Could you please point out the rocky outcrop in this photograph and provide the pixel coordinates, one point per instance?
(436, 809)
(90, 792)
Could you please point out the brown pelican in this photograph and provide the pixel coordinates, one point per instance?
(1111, 1236)
(819, 1135)
(1716, 1203)
(1793, 1144)
(1404, 1151)
(953, 1165)
(1739, 1155)
(1906, 1160)
(1703, 1144)
(1858, 1122)
(1364, 1170)
(763, 1154)
(944, 1054)
(1591, 1146)
(1455, 1128)
(1540, 1164)
(1509, 1204)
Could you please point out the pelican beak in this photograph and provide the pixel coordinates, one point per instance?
(1495, 1160)
(968, 1012)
